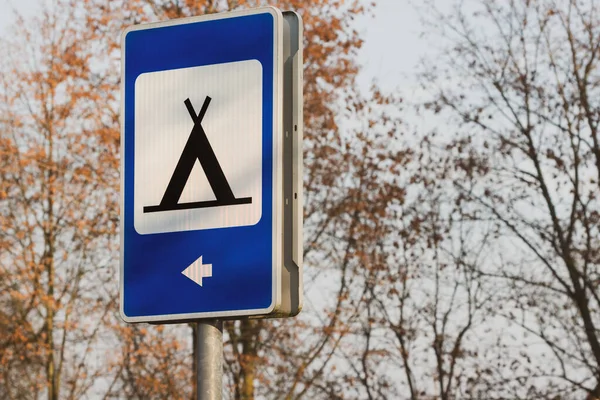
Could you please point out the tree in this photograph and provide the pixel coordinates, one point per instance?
(153, 362)
(415, 306)
(519, 82)
(58, 204)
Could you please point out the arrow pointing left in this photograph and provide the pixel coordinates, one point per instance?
(197, 270)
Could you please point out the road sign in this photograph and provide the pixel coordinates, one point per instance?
(211, 211)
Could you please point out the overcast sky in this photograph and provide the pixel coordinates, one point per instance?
(392, 45)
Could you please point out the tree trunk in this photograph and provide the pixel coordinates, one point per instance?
(249, 335)
(194, 326)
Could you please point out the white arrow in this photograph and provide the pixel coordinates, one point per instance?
(196, 271)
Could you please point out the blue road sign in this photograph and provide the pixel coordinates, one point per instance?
(201, 225)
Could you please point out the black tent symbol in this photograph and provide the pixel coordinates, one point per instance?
(197, 147)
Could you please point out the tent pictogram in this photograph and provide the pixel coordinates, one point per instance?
(197, 147)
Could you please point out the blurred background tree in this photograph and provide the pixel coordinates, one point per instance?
(451, 240)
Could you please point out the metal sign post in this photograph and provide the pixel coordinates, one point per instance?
(209, 360)
(211, 174)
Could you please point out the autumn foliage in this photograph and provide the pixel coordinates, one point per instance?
(451, 240)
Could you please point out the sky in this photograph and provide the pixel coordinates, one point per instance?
(392, 46)
(391, 50)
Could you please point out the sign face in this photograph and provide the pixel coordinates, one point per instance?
(201, 167)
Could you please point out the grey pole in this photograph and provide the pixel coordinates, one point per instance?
(209, 345)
